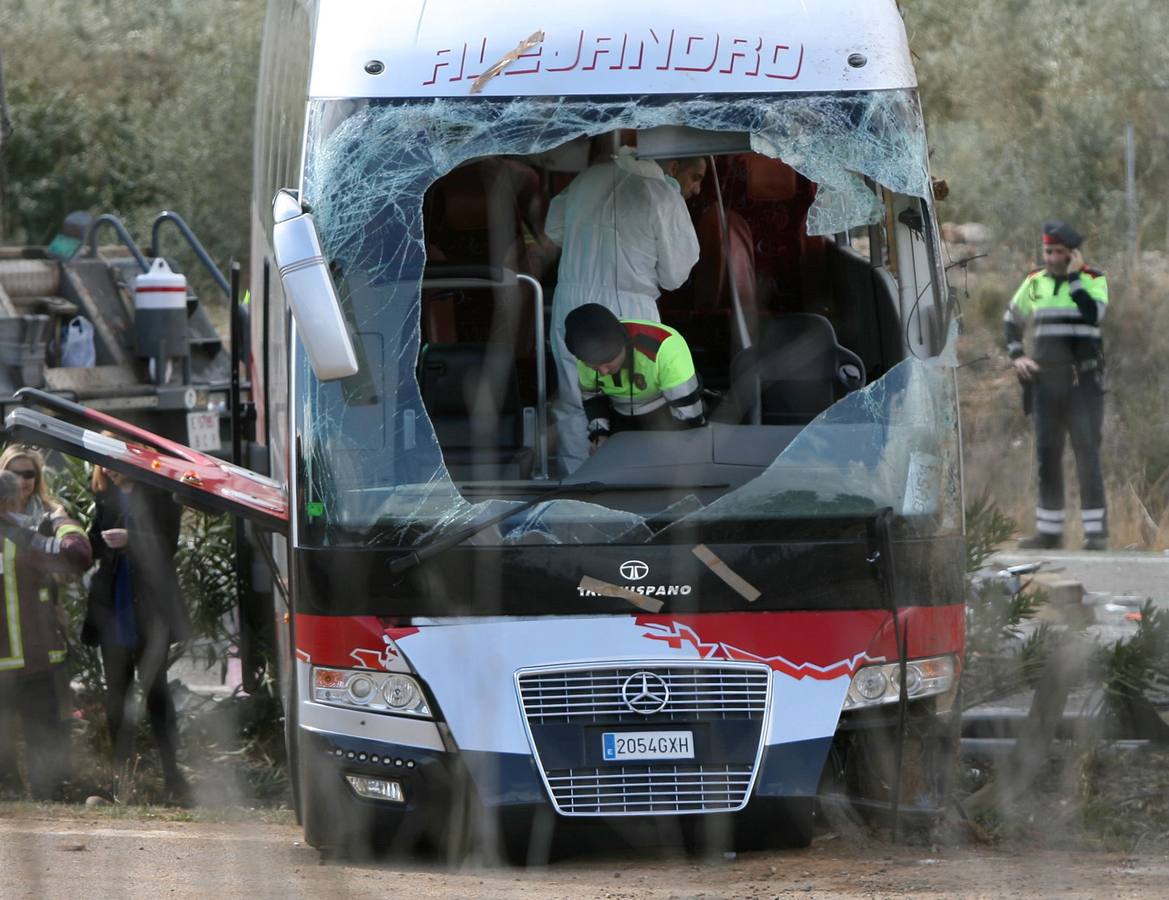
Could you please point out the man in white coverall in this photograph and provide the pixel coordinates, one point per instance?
(626, 236)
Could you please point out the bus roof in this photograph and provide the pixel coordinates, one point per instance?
(453, 48)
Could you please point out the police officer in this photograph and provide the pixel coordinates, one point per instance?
(1064, 380)
(633, 374)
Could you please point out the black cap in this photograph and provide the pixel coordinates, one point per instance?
(1057, 232)
(593, 334)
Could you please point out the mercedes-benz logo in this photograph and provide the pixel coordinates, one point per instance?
(633, 569)
(645, 693)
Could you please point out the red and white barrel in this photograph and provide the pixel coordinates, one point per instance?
(160, 313)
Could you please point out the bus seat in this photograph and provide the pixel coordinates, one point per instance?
(474, 217)
(707, 319)
(870, 323)
(471, 395)
(801, 368)
(772, 199)
(711, 286)
(439, 323)
(816, 292)
(770, 179)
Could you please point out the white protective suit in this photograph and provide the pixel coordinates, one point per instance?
(626, 236)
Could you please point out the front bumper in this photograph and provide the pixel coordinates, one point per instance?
(432, 781)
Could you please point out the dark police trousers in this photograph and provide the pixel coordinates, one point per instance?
(1069, 403)
(36, 700)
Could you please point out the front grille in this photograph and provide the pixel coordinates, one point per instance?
(724, 703)
(659, 788)
(696, 694)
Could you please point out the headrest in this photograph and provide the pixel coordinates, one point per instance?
(799, 347)
(468, 379)
(769, 179)
(464, 199)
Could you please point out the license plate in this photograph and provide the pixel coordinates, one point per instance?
(203, 431)
(619, 745)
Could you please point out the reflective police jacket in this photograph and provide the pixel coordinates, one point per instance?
(662, 374)
(31, 635)
(1067, 314)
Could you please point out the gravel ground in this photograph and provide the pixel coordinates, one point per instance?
(48, 852)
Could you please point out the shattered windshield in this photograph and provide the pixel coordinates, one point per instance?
(449, 226)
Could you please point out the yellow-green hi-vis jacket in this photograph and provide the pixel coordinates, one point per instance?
(662, 374)
(1067, 315)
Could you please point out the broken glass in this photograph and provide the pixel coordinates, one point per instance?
(372, 467)
(892, 444)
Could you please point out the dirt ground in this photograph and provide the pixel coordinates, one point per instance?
(61, 852)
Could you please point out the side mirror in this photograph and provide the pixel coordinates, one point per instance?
(309, 290)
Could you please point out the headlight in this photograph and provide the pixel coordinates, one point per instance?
(400, 692)
(384, 692)
(876, 685)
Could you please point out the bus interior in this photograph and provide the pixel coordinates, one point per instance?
(781, 324)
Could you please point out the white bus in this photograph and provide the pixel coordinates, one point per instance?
(735, 623)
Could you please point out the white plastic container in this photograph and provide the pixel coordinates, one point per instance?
(160, 313)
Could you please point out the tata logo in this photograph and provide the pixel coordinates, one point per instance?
(633, 570)
(645, 693)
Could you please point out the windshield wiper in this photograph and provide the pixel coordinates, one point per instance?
(442, 544)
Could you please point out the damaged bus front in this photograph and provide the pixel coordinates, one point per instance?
(696, 621)
(735, 619)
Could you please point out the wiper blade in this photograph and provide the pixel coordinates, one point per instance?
(442, 544)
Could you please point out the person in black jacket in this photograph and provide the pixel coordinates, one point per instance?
(136, 611)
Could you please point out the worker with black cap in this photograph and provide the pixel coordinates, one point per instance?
(1063, 379)
(634, 375)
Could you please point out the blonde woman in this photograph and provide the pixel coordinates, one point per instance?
(38, 542)
(28, 464)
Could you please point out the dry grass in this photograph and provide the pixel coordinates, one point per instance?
(33, 811)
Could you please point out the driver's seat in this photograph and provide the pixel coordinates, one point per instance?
(471, 397)
(801, 371)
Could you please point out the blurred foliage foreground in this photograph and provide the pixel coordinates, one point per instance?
(232, 748)
(1090, 764)
(1074, 783)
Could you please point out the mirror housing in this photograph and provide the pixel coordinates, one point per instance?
(309, 290)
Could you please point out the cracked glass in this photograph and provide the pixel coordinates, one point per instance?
(372, 468)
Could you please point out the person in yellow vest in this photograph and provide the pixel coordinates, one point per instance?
(39, 542)
(1063, 379)
(633, 374)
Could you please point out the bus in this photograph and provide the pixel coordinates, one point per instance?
(726, 629)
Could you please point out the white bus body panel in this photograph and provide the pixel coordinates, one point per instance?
(440, 48)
